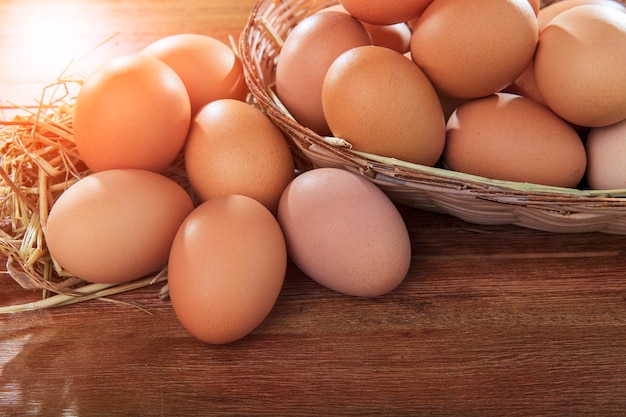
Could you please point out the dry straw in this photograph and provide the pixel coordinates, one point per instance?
(471, 198)
(38, 162)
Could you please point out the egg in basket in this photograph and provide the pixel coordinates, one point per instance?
(507, 155)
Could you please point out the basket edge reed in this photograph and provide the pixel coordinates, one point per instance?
(473, 199)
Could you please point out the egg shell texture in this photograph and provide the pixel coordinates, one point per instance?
(344, 232)
(131, 112)
(546, 14)
(471, 49)
(385, 12)
(525, 85)
(579, 65)
(208, 67)
(308, 51)
(116, 225)
(396, 36)
(226, 268)
(510, 137)
(606, 156)
(233, 148)
(382, 103)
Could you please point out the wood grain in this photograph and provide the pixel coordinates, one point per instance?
(491, 320)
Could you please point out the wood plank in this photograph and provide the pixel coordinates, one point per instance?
(490, 321)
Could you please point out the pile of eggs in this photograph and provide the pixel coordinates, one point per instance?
(498, 88)
(494, 88)
(226, 219)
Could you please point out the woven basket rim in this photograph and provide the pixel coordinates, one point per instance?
(431, 188)
(402, 169)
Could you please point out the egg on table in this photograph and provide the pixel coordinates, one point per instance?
(344, 232)
(116, 225)
(226, 268)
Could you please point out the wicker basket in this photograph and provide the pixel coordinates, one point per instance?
(471, 198)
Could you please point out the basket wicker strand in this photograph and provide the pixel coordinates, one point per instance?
(471, 198)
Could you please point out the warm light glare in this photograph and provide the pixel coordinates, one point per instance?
(11, 390)
(44, 40)
(48, 38)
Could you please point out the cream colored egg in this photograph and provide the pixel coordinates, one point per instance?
(344, 232)
(606, 157)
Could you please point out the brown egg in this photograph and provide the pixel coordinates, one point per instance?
(116, 225)
(472, 49)
(606, 157)
(385, 12)
(450, 104)
(382, 103)
(579, 65)
(132, 112)
(525, 85)
(396, 36)
(209, 68)
(305, 57)
(546, 14)
(226, 268)
(513, 138)
(412, 23)
(233, 148)
(344, 232)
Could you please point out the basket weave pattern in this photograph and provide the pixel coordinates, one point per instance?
(473, 199)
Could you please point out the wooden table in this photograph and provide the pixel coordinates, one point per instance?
(491, 321)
